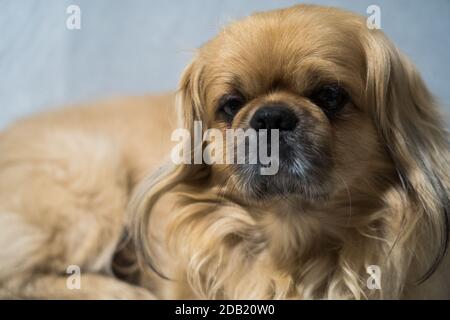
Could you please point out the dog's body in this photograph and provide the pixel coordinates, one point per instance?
(66, 177)
(371, 188)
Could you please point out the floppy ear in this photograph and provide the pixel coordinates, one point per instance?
(407, 118)
(189, 95)
(189, 109)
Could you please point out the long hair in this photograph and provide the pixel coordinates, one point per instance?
(166, 178)
(408, 119)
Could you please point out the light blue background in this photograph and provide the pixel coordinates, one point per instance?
(137, 46)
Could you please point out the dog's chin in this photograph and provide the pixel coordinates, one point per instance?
(310, 184)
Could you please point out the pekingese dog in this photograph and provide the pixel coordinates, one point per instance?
(357, 209)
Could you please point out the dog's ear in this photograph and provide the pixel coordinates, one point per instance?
(189, 96)
(150, 190)
(191, 110)
(408, 120)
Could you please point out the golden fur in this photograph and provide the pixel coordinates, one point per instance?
(66, 178)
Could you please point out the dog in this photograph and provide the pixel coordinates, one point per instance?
(357, 210)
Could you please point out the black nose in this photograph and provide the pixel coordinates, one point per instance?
(274, 117)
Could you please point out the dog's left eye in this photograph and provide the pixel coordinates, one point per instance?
(230, 104)
(330, 98)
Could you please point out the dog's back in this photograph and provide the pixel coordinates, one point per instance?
(65, 179)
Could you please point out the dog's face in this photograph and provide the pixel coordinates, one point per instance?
(301, 71)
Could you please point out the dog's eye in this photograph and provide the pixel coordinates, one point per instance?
(230, 104)
(331, 98)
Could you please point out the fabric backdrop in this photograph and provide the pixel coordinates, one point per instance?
(137, 46)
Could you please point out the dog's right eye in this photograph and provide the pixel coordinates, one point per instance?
(331, 98)
(229, 105)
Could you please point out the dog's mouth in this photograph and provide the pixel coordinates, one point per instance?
(299, 169)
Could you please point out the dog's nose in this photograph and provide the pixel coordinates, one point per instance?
(274, 117)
